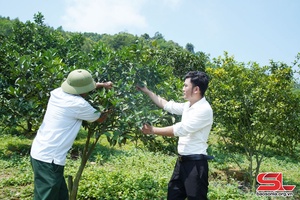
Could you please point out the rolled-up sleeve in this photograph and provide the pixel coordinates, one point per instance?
(174, 108)
(194, 121)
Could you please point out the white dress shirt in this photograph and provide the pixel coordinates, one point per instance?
(61, 124)
(195, 125)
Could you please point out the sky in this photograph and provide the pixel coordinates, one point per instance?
(250, 30)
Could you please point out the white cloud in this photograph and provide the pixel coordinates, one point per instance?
(103, 16)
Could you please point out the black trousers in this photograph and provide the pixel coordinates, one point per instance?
(189, 180)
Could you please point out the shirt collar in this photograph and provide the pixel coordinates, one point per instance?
(199, 102)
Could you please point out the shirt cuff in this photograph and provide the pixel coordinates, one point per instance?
(176, 128)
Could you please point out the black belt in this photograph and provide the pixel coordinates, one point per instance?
(194, 157)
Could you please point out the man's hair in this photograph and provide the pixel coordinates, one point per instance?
(199, 79)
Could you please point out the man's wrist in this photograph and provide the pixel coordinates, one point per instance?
(98, 85)
(152, 131)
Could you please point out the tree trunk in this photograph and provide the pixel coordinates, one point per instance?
(88, 149)
(75, 184)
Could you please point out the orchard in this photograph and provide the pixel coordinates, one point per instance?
(256, 108)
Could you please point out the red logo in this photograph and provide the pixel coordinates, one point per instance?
(272, 182)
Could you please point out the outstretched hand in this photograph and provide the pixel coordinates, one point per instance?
(108, 85)
(147, 129)
(141, 88)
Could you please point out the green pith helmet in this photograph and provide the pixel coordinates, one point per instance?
(78, 81)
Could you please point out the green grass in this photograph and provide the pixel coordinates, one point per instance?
(129, 172)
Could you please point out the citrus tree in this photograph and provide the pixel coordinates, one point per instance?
(129, 109)
(30, 68)
(256, 110)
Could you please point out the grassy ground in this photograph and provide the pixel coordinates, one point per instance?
(129, 172)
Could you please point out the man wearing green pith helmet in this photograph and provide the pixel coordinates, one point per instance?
(65, 112)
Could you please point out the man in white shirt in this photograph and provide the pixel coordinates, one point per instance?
(65, 112)
(190, 175)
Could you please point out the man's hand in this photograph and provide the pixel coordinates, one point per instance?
(104, 115)
(142, 88)
(107, 85)
(147, 129)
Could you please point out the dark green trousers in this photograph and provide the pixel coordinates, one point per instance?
(49, 181)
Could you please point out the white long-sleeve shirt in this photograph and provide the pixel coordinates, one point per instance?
(62, 121)
(195, 125)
